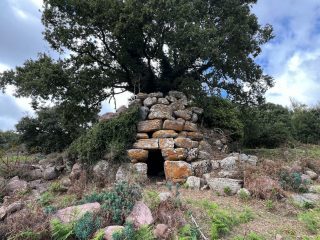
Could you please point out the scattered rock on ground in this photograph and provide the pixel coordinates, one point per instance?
(224, 185)
(16, 185)
(162, 231)
(109, 231)
(140, 215)
(194, 182)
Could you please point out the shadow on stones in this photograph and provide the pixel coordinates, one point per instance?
(155, 164)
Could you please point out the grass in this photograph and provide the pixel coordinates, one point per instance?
(311, 220)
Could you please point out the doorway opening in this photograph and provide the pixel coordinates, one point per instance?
(155, 164)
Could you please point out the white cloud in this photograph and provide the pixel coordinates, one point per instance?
(37, 3)
(3, 67)
(293, 57)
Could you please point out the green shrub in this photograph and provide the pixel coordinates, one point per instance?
(110, 137)
(270, 205)
(246, 215)
(243, 195)
(61, 231)
(151, 198)
(55, 187)
(99, 235)
(293, 181)
(227, 191)
(221, 113)
(46, 199)
(268, 125)
(118, 202)
(311, 219)
(144, 232)
(188, 232)
(128, 233)
(86, 226)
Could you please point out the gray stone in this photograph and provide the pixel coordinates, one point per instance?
(178, 105)
(192, 154)
(177, 95)
(163, 101)
(185, 114)
(101, 170)
(311, 174)
(228, 174)
(148, 102)
(204, 155)
(156, 94)
(121, 109)
(160, 111)
(75, 172)
(228, 163)
(35, 174)
(197, 110)
(194, 118)
(194, 182)
(16, 185)
(142, 96)
(305, 198)
(215, 165)
(12, 208)
(143, 111)
(122, 174)
(164, 196)
(221, 184)
(201, 167)
(148, 144)
(50, 173)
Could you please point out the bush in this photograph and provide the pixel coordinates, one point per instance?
(86, 226)
(129, 233)
(110, 137)
(292, 181)
(268, 125)
(118, 202)
(8, 140)
(221, 113)
(306, 124)
(152, 199)
(188, 232)
(46, 132)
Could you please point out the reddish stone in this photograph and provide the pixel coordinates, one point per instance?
(165, 134)
(140, 215)
(173, 125)
(149, 126)
(138, 154)
(166, 143)
(177, 171)
(189, 126)
(152, 143)
(195, 136)
(142, 136)
(185, 143)
(174, 154)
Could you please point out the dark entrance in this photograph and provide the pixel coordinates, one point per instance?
(155, 164)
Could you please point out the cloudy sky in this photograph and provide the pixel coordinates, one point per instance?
(292, 58)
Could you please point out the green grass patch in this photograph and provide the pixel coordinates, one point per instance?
(311, 220)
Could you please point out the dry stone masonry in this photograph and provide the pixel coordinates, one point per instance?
(169, 126)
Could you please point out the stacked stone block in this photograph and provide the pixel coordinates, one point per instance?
(170, 125)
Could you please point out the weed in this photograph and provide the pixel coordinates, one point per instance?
(227, 191)
(61, 231)
(26, 235)
(129, 233)
(86, 226)
(270, 205)
(145, 232)
(152, 199)
(99, 235)
(188, 232)
(293, 181)
(243, 195)
(250, 236)
(311, 219)
(50, 209)
(56, 187)
(46, 199)
(246, 215)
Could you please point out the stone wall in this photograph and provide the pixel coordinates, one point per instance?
(170, 125)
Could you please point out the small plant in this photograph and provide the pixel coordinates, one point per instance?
(227, 191)
(50, 209)
(46, 199)
(126, 234)
(99, 235)
(311, 220)
(61, 231)
(250, 236)
(188, 232)
(243, 195)
(86, 226)
(145, 232)
(270, 205)
(56, 187)
(293, 181)
(246, 215)
(152, 199)
(27, 235)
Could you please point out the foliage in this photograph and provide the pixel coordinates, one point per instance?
(118, 202)
(227, 191)
(292, 181)
(243, 195)
(102, 138)
(26, 235)
(151, 198)
(306, 123)
(221, 113)
(129, 233)
(99, 235)
(188, 232)
(268, 125)
(56, 187)
(8, 140)
(47, 132)
(61, 231)
(270, 205)
(311, 219)
(46, 198)
(250, 236)
(86, 226)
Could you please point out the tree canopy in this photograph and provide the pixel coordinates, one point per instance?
(146, 45)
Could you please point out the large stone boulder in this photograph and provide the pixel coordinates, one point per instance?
(201, 167)
(160, 111)
(174, 154)
(176, 125)
(75, 172)
(50, 173)
(8, 210)
(194, 182)
(101, 170)
(185, 143)
(149, 101)
(149, 125)
(177, 171)
(140, 215)
(149, 144)
(165, 134)
(306, 198)
(189, 126)
(139, 155)
(165, 143)
(224, 185)
(185, 114)
(140, 172)
(15, 185)
(74, 213)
